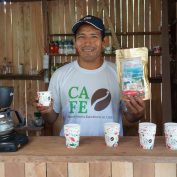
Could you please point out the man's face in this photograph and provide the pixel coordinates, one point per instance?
(89, 43)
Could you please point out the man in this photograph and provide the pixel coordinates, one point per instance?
(86, 91)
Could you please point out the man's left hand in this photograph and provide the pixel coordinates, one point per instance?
(135, 107)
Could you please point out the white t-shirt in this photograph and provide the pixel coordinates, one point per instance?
(87, 97)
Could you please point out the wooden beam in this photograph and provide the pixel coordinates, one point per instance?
(166, 85)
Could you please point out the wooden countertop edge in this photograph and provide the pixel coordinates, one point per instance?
(52, 149)
(50, 159)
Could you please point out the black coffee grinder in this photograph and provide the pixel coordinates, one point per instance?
(10, 140)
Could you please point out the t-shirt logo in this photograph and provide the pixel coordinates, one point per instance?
(79, 99)
(100, 99)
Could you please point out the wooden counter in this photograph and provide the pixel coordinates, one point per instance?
(48, 157)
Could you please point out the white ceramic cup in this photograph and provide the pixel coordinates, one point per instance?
(44, 98)
(147, 133)
(170, 131)
(111, 131)
(72, 135)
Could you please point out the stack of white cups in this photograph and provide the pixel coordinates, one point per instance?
(147, 133)
(72, 135)
(170, 130)
(111, 131)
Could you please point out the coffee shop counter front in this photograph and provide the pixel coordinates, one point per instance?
(48, 157)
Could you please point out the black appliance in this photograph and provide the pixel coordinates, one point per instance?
(10, 140)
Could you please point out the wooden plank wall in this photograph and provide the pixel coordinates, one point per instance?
(21, 40)
(86, 169)
(126, 16)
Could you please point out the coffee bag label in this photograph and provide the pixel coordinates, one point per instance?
(133, 72)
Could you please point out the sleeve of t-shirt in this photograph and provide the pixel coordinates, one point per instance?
(54, 87)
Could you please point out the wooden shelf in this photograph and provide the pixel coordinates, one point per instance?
(21, 77)
(118, 34)
(37, 130)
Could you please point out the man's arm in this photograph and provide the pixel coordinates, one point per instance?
(134, 108)
(48, 114)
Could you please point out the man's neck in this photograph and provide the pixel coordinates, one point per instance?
(90, 65)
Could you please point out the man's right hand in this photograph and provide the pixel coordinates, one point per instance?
(41, 108)
(47, 112)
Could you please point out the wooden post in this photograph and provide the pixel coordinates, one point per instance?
(166, 84)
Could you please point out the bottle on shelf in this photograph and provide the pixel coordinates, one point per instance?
(46, 67)
(56, 47)
(46, 61)
(4, 66)
(52, 47)
(38, 121)
(9, 68)
(61, 47)
(20, 68)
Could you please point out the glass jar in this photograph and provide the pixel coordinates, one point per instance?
(6, 124)
(38, 121)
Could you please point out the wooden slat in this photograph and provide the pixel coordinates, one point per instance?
(156, 88)
(68, 21)
(142, 169)
(27, 41)
(122, 169)
(102, 169)
(165, 169)
(2, 169)
(58, 17)
(81, 8)
(37, 49)
(14, 169)
(118, 19)
(35, 169)
(37, 41)
(100, 10)
(106, 5)
(141, 23)
(58, 169)
(146, 16)
(8, 46)
(130, 23)
(166, 87)
(146, 26)
(112, 12)
(50, 16)
(136, 41)
(147, 112)
(15, 34)
(124, 23)
(20, 34)
(115, 41)
(92, 7)
(2, 33)
(78, 169)
(72, 14)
